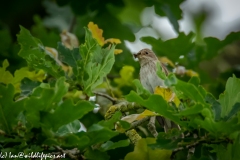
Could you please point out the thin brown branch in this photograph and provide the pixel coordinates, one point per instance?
(113, 100)
(73, 153)
(138, 123)
(152, 127)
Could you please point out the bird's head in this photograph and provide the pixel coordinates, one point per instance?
(145, 55)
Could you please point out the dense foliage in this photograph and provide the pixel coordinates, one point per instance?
(51, 87)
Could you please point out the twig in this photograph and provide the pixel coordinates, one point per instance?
(73, 22)
(122, 106)
(106, 96)
(138, 123)
(71, 153)
(152, 127)
(133, 136)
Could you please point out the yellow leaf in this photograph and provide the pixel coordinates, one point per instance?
(126, 76)
(130, 118)
(191, 73)
(113, 41)
(146, 113)
(167, 94)
(96, 33)
(118, 51)
(166, 60)
(69, 40)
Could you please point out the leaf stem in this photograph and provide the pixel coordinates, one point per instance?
(106, 96)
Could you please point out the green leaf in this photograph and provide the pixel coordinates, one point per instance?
(111, 122)
(163, 142)
(234, 111)
(230, 96)
(112, 145)
(172, 48)
(96, 63)
(6, 76)
(197, 108)
(154, 103)
(216, 106)
(27, 86)
(69, 111)
(48, 37)
(143, 152)
(229, 152)
(72, 127)
(96, 154)
(160, 72)
(70, 57)
(140, 89)
(98, 133)
(33, 51)
(9, 109)
(171, 9)
(44, 99)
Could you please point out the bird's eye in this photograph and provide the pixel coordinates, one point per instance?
(146, 52)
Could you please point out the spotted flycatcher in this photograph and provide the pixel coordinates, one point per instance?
(150, 80)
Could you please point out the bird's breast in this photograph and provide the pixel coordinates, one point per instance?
(149, 78)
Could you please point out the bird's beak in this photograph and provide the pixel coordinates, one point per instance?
(135, 55)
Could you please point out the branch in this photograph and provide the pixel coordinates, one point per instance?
(113, 100)
(122, 106)
(73, 154)
(152, 127)
(138, 123)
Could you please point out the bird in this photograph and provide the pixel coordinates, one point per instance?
(150, 80)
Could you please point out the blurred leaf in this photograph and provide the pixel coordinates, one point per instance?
(48, 37)
(230, 96)
(126, 76)
(5, 39)
(112, 40)
(9, 108)
(96, 154)
(143, 152)
(109, 145)
(172, 48)
(172, 10)
(33, 51)
(69, 40)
